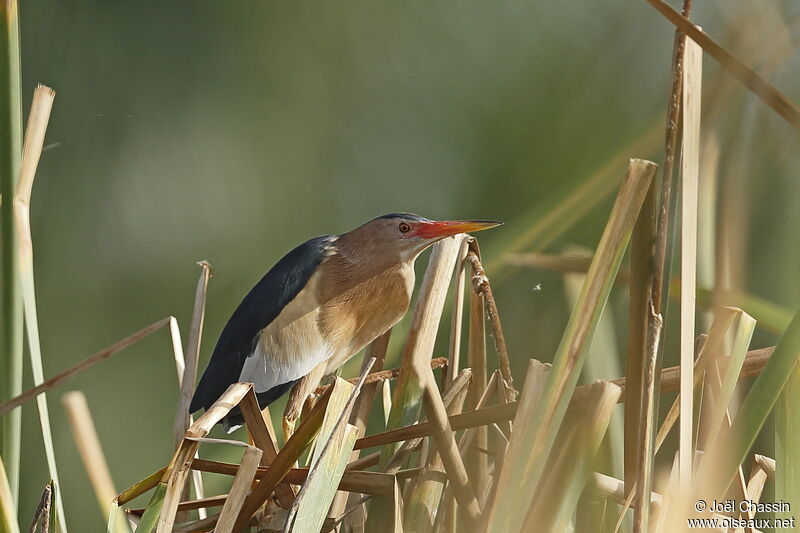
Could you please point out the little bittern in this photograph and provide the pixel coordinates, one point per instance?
(319, 305)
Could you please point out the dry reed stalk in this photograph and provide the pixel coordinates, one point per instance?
(328, 463)
(468, 436)
(361, 411)
(423, 503)
(476, 359)
(535, 380)
(241, 483)
(180, 367)
(89, 362)
(573, 348)
(407, 397)
(178, 470)
(89, 448)
(613, 489)
(181, 424)
(450, 395)
(189, 375)
(283, 462)
(558, 494)
(640, 360)
(260, 431)
(774, 98)
(408, 393)
(480, 284)
(645, 331)
(365, 482)
(444, 437)
(457, 315)
(755, 361)
(38, 119)
(385, 375)
(690, 169)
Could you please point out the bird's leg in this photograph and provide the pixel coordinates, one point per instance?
(298, 395)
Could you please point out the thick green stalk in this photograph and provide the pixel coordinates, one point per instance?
(10, 155)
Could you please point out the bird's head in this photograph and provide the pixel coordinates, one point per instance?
(404, 235)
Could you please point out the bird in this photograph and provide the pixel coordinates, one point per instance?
(319, 305)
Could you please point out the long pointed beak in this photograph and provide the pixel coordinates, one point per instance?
(445, 228)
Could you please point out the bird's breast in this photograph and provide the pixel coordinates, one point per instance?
(357, 309)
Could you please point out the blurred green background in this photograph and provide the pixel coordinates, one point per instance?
(231, 131)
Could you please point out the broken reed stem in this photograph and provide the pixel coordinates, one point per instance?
(481, 285)
(457, 316)
(38, 118)
(89, 448)
(774, 98)
(670, 378)
(87, 363)
(192, 350)
(336, 431)
(444, 437)
(664, 233)
(690, 160)
(384, 375)
(360, 416)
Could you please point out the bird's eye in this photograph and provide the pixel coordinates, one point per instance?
(404, 228)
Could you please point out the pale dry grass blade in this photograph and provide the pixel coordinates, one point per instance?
(240, 487)
(407, 397)
(329, 461)
(318, 492)
(457, 313)
(613, 489)
(502, 479)
(382, 376)
(179, 468)
(87, 363)
(90, 450)
(423, 502)
(732, 446)
(189, 376)
(34, 140)
(259, 427)
(603, 362)
(180, 368)
(570, 356)
(754, 363)
(452, 394)
(446, 444)
(373, 483)
(360, 416)
(690, 168)
(408, 391)
(561, 488)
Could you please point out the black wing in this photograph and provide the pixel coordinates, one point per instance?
(261, 306)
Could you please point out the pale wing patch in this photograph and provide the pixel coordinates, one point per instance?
(289, 347)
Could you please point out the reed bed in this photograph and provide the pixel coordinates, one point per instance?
(465, 447)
